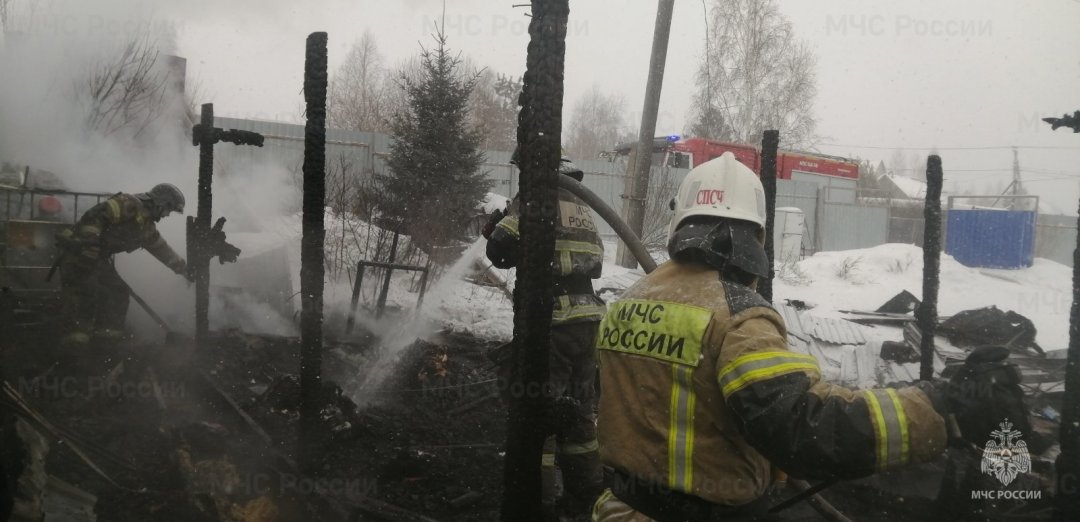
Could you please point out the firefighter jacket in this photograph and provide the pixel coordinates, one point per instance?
(579, 257)
(119, 224)
(699, 394)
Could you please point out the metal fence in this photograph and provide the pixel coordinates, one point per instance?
(1055, 238)
(833, 220)
(366, 152)
(849, 226)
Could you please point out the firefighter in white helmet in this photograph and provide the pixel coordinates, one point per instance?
(701, 398)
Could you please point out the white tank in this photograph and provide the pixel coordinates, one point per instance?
(787, 234)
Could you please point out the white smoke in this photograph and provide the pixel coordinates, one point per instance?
(46, 53)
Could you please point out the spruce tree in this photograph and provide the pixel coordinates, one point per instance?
(434, 181)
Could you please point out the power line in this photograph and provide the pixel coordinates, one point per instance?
(1001, 147)
(923, 169)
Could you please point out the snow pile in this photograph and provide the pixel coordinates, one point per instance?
(864, 279)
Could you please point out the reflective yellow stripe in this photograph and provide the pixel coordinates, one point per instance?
(605, 497)
(92, 252)
(547, 460)
(758, 366)
(579, 449)
(114, 208)
(881, 436)
(566, 311)
(681, 430)
(901, 419)
(890, 428)
(510, 225)
(90, 230)
(581, 247)
(566, 262)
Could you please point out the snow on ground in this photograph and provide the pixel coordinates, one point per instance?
(832, 281)
(864, 279)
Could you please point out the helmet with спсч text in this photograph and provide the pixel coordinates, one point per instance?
(720, 212)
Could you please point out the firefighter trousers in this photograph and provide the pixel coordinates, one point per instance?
(93, 296)
(572, 376)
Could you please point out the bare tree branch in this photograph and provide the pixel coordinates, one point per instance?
(597, 123)
(755, 76)
(360, 91)
(124, 92)
(493, 109)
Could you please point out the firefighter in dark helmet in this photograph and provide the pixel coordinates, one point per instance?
(701, 400)
(94, 298)
(579, 257)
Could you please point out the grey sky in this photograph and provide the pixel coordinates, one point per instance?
(913, 73)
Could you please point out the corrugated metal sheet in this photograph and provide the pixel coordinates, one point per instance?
(837, 331)
(805, 327)
(793, 322)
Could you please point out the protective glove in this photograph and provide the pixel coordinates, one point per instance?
(179, 267)
(984, 393)
(489, 227)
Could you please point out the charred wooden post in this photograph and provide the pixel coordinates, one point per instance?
(311, 246)
(203, 241)
(1067, 500)
(1067, 491)
(770, 142)
(539, 139)
(926, 314)
(201, 264)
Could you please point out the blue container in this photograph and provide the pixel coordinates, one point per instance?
(991, 238)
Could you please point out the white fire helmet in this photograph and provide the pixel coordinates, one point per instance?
(721, 187)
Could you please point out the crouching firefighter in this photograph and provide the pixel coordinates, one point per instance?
(579, 256)
(701, 398)
(94, 299)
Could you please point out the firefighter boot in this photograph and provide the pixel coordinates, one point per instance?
(582, 479)
(548, 480)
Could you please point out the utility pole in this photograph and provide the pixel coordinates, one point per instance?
(641, 160)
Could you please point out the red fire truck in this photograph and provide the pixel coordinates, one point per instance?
(673, 151)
